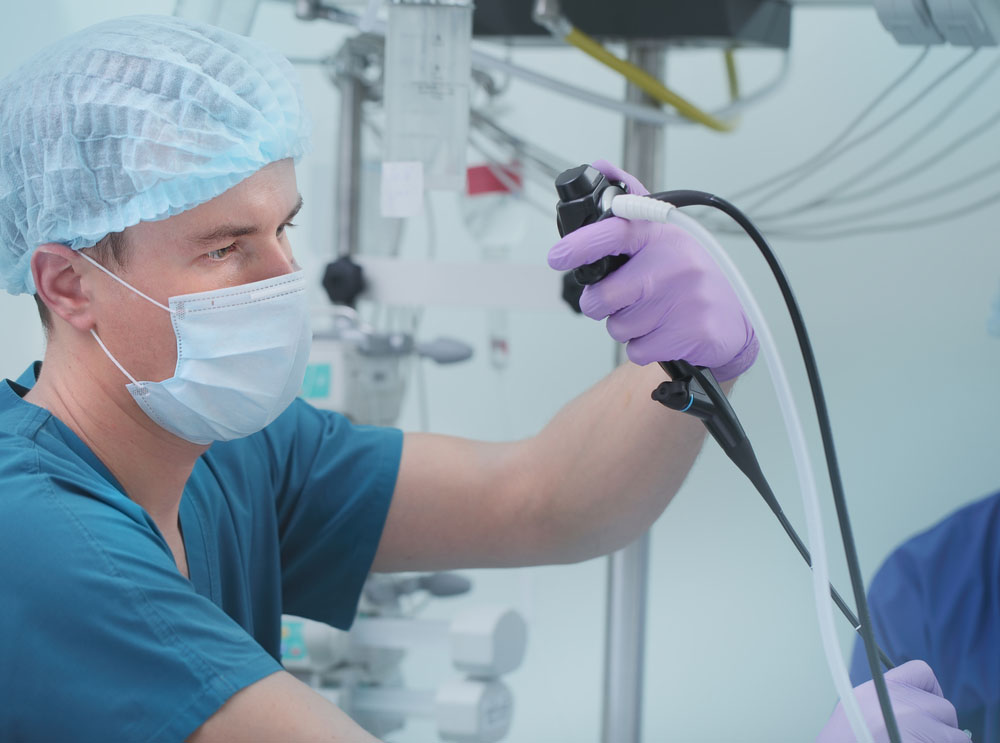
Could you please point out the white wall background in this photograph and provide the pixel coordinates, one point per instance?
(897, 320)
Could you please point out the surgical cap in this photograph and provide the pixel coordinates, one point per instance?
(135, 120)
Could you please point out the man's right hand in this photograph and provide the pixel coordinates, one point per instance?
(922, 712)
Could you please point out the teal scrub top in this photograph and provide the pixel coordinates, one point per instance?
(101, 638)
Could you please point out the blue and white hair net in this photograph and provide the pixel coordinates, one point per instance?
(135, 120)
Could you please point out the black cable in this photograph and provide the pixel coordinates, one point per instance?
(701, 198)
(752, 470)
(694, 390)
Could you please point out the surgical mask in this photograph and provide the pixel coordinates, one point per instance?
(241, 357)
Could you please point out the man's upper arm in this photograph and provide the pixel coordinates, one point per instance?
(460, 504)
(279, 707)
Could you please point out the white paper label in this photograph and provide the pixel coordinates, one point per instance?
(402, 189)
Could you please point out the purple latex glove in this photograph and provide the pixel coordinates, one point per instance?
(670, 301)
(922, 712)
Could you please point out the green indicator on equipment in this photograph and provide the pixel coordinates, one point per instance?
(293, 641)
(317, 381)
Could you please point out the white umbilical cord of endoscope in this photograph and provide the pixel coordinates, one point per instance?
(630, 206)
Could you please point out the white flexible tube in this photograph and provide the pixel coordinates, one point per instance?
(631, 208)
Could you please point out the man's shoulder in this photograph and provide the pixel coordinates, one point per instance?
(22, 463)
(25, 462)
(41, 486)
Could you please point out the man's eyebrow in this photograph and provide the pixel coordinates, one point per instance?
(295, 210)
(230, 231)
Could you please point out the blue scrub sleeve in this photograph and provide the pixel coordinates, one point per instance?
(139, 652)
(335, 485)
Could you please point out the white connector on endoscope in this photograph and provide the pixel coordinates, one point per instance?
(631, 206)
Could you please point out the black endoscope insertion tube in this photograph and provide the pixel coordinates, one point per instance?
(584, 198)
(872, 651)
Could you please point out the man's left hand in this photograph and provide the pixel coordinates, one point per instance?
(670, 301)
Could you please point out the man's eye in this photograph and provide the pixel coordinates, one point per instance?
(218, 255)
(286, 225)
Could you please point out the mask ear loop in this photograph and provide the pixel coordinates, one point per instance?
(93, 332)
(123, 282)
(114, 360)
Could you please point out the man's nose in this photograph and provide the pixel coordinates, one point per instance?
(276, 260)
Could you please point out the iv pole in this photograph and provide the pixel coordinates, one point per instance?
(628, 569)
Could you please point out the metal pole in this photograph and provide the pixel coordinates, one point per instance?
(628, 569)
(348, 183)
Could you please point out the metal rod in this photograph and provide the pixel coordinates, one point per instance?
(348, 183)
(628, 569)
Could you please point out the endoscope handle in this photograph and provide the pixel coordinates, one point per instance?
(585, 196)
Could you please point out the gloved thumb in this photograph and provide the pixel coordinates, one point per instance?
(614, 173)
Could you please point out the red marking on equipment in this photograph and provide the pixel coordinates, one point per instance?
(482, 179)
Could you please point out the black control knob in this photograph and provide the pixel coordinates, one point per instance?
(578, 182)
(344, 281)
(581, 197)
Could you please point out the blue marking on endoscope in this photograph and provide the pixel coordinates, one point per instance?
(690, 403)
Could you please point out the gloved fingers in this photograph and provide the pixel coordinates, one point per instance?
(915, 673)
(695, 343)
(612, 236)
(637, 302)
(614, 173)
(647, 285)
(742, 361)
(610, 295)
(931, 705)
(914, 701)
(634, 321)
(664, 345)
(629, 323)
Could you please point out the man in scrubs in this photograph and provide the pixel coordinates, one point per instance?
(164, 496)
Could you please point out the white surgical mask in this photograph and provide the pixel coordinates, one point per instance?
(241, 357)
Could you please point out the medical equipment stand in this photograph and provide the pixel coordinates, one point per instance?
(628, 569)
(350, 66)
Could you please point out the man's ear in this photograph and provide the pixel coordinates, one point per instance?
(53, 267)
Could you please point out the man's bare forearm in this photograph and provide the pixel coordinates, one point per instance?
(607, 465)
(592, 480)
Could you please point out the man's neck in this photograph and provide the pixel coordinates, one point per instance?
(151, 464)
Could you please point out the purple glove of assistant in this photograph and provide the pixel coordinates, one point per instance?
(670, 302)
(922, 712)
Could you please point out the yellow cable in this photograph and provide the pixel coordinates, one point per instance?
(645, 82)
(732, 76)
